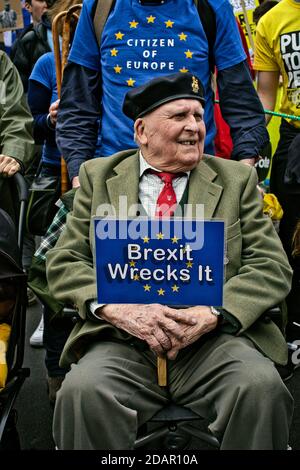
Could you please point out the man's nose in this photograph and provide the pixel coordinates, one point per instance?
(191, 124)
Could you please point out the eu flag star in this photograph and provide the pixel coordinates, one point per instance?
(175, 288)
(161, 292)
(118, 69)
(182, 36)
(119, 35)
(175, 239)
(146, 239)
(160, 236)
(130, 82)
(183, 70)
(114, 52)
(147, 288)
(136, 277)
(150, 19)
(132, 264)
(133, 24)
(169, 24)
(189, 264)
(189, 54)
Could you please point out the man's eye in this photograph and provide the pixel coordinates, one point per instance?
(179, 116)
(198, 117)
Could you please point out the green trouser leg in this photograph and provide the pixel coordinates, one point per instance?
(113, 390)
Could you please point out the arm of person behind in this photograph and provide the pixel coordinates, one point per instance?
(263, 278)
(78, 117)
(39, 98)
(268, 70)
(243, 112)
(267, 87)
(16, 120)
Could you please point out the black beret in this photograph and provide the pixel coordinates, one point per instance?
(145, 98)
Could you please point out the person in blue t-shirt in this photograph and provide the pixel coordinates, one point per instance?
(142, 40)
(43, 102)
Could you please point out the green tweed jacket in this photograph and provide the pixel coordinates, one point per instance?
(257, 274)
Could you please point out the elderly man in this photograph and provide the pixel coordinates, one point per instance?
(221, 363)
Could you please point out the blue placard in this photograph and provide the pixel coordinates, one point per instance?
(178, 262)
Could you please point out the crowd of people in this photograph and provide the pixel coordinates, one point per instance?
(136, 118)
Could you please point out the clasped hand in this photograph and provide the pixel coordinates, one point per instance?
(8, 165)
(165, 329)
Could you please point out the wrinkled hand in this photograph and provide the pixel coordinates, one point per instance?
(53, 110)
(166, 330)
(205, 322)
(8, 165)
(150, 323)
(75, 182)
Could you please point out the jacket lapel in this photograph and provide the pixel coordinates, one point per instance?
(202, 190)
(125, 182)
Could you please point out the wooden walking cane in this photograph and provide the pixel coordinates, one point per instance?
(162, 371)
(62, 22)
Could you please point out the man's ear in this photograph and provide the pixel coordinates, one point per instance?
(139, 131)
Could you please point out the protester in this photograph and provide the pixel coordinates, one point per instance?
(221, 362)
(141, 41)
(277, 54)
(33, 42)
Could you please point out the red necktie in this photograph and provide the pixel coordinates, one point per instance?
(166, 201)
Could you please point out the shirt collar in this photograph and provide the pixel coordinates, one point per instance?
(144, 165)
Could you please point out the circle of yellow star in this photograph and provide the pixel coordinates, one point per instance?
(189, 264)
(159, 236)
(161, 292)
(130, 82)
(183, 70)
(136, 277)
(118, 69)
(175, 288)
(175, 239)
(189, 54)
(150, 19)
(182, 36)
(119, 35)
(147, 288)
(146, 239)
(114, 52)
(133, 24)
(132, 264)
(169, 24)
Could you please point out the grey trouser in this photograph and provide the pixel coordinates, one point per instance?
(113, 389)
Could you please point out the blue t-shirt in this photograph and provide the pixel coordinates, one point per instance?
(44, 73)
(142, 42)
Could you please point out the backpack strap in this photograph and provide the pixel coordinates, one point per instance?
(208, 20)
(101, 13)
